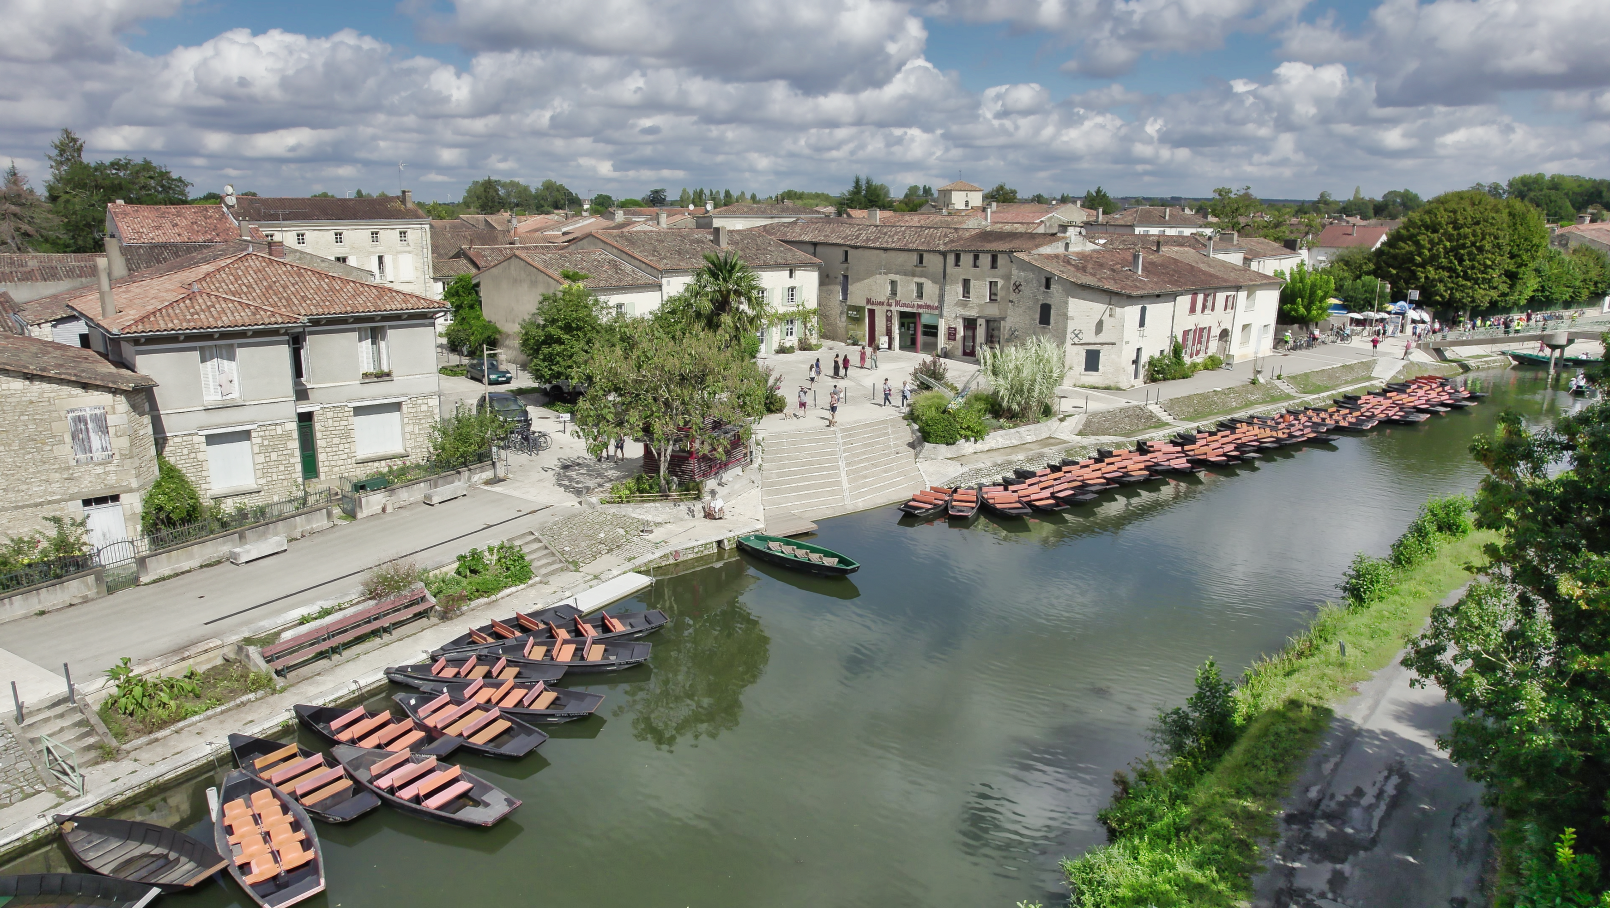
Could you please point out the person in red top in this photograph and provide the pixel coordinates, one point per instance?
(1375, 343)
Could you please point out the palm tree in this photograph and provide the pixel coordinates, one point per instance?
(728, 294)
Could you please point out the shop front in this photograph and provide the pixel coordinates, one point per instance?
(909, 325)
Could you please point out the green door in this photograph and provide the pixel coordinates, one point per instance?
(304, 441)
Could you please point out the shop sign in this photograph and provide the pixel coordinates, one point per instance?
(904, 305)
(950, 332)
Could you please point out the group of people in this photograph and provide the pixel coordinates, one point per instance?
(838, 396)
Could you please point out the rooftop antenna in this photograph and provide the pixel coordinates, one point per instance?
(399, 177)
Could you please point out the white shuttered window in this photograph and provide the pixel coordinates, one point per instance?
(91, 440)
(404, 270)
(372, 353)
(377, 430)
(229, 460)
(220, 380)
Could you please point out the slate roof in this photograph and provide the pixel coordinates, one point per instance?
(1174, 270)
(451, 267)
(684, 250)
(145, 224)
(604, 271)
(254, 208)
(962, 185)
(226, 286)
(1343, 236)
(40, 267)
(37, 356)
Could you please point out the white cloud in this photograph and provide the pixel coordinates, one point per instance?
(41, 30)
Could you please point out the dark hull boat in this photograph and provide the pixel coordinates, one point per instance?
(272, 848)
(799, 556)
(1001, 503)
(139, 852)
(485, 729)
(573, 655)
(529, 702)
(417, 784)
(964, 504)
(930, 502)
(560, 621)
(73, 890)
(326, 792)
(449, 671)
(360, 727)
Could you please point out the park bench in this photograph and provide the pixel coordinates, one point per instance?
(334, 636)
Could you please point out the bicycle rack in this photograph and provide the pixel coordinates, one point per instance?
(62, 763)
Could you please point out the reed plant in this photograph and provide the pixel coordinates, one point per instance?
(1025, 375)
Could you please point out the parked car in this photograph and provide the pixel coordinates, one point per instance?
(507, 406)
(492, 375)
(565, 390)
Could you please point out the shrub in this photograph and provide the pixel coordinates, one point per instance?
(480, 573)
(808, 344)
(140, 696)
(466, 436)
(453, 371)
(1417, 544)
(68, 539)
(776, 403)
(1024, 375)
(1367, 580)
(785, 348)
(933, 369)
(391, 578)
(1169, 367)
(940, 426)
(1204, 728)
(172, 502)
(641, 484)
(1211, 361)
(1451, 516)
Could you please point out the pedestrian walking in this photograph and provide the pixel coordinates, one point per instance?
(874, 357)
(846, 365)
(1375, 344)
(1408, 344)
(886, 392)
(835, 367)
(833, 407)
(905, 393)
(814, 370)
(620, 447)
(863, 356)
(800, 413)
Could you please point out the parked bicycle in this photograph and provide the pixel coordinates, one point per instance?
(527, 441)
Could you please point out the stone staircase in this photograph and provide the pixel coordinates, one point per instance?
(544, 562)
(836, 471)
(65, 723)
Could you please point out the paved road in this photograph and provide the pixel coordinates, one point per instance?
(1380, 817)
(147, 621)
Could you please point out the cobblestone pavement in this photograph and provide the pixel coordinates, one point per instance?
(592, 534)
(18, 780)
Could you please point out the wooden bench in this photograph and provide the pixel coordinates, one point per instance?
(335, 636)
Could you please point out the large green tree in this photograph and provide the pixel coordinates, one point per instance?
(1234, 209)
(725, 295)
(26, 220)
(1463, 250)
(1305, 298)
(560, 334)
(80, 190)
(1098, 200)
(671, 386)
(469, 331)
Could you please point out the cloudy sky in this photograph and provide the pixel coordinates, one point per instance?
(1158, 97)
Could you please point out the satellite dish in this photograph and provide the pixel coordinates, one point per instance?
(229, 189)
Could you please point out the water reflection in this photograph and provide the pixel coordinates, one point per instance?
(704, 659)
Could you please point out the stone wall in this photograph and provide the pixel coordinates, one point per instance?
(40, 478)
(276, 460)
(333, 435)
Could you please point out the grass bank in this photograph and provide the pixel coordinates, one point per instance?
(149, 705)
(1121, 421)
(1322, 380)
(1186, 831)
(1195, 407)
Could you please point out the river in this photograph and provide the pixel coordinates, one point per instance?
(938, 729)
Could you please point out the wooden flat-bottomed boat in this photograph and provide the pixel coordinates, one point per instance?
(930, 502)
(1002, 503)
(799, 556)
(73, 890)
(575, 654)
(359, 726)
(271, 846)
(527, 702)
(326, 792)
(139, 853)
(417, 784)
(964, 504)
(474, 667)
(488, 728)
(559, 622)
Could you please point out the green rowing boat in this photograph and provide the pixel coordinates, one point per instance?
(1541, 359)
(800, 556)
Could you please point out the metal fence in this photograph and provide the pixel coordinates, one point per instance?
(47, 570)
(356, 483)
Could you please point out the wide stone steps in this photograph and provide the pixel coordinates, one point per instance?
(821, 474)
(64, 723)
(544, 562)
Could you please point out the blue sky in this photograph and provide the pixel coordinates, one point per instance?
(1141, 96)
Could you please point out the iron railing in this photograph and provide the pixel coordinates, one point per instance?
(61, 762)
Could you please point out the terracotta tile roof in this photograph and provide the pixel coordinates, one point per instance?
(11, 320)
(448, 237)
(1153, 216)
(960, 185)
(40, 267)
(684, 250)
(765, 209)
(604, 271)
(970, 218)
(1257, 247)
(451, 267)
(1112, 270)
(1022, 212)
(256, 209)
(37, 356)
(858, 232)
(487, 256)
(228, 287)
(1253, 246)
(143, 224)
(1343, 236)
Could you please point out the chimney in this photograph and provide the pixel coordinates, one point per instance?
(617, 215)
(872, 216)
(114, 258)
(659, 218)
(1235, 237)
(1210, 245)
(103, 277)
(245, 230)
(1101, 215)
(992, 206)
(1165, 212)
(1354, 231)
(276, 248)
(989, 214)
(408, 198)
(1140, 259)
(1584, 219)
(709, 206)
(720, 235)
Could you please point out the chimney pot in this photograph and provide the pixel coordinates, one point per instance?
(872, 216)
(103, 277)
(659, 218)
(989, 214)
(1355, 230)
(276, 248)
(1140, 259)
(617, 215)
(408, 198)
(1165, 212)
(1101, 215)
(245, 230)
(720, 234)
(117, 202)
(992, 205)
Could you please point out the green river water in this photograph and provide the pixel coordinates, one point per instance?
(938, 729)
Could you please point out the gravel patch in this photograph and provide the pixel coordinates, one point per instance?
(1121, 421)
(591, 535)
(1194, 407)
(1322, 380)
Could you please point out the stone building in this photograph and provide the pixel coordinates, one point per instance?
(511, 288)
(387, 237)
(753, 214)
(77, 440)
(1150, 220)
(141, 237)
(1115, 308)
(1337, 237)
(959, 194)
(270, 373)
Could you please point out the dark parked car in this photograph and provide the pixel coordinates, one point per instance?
(507, 406)
(493, 375)
(566, 390)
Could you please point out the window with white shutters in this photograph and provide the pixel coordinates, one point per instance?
(404, 270)
(380, 267)
(373, 357)
(793, 295)
(219, 377)
(377, 430)
(229, 461)
(92, 441)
